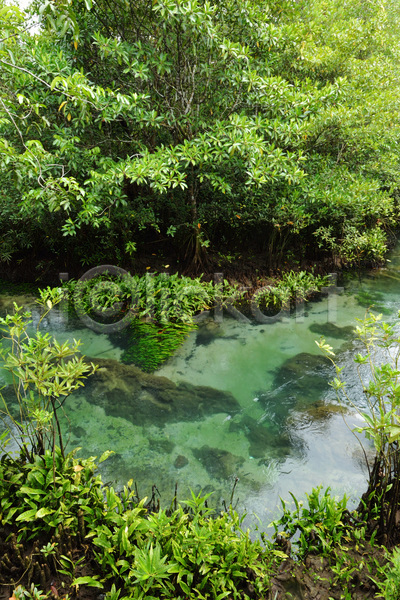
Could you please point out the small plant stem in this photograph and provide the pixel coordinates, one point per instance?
(60, 440)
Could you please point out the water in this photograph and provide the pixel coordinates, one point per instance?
(267, 416)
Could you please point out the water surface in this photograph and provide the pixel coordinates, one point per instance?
(251, 402)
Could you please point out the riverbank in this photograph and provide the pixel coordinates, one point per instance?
(91, 543)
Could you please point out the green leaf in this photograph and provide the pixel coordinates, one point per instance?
(31, 491)
(42, 512)
(105, 455)
(28, 515)
(89, 581)
(394, 433)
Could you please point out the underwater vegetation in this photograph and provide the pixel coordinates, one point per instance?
(151, 344)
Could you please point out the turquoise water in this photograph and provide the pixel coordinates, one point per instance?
(266, 417)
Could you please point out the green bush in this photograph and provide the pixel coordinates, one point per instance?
(320, 525)
(50, 493)
(71, 521)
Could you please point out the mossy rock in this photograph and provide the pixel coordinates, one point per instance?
(299, 383)
(332, 330)
(145, 399)
(220, 464)
(301, 364)
(263, 439)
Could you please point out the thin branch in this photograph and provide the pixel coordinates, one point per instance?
(18, 33)
(56, 89)
(9, 113)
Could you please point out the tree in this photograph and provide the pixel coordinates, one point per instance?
(206, 121)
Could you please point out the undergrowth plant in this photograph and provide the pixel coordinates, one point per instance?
(158, 297)
(326, 529)
(320, 526)
(190, 553)
(390, 586)
(58, 507)
(50, 494)
(46, 506)
(32, 593)
(293, 287)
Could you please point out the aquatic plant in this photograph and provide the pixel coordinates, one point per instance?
(151, 344)
(160, 309)
(12, 289)
(372, 299)
(291, 288)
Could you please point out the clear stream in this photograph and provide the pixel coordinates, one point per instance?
(267, 417)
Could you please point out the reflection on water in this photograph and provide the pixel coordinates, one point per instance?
(238, 400)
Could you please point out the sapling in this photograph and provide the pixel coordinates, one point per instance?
(379, 374)
(44, 373)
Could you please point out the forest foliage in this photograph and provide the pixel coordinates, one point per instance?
(207, 125)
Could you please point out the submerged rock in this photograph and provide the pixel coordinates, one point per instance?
(299, 365)
(78, 432)
(317, 411)
(163, 446)
(145, 399)
(25, 300)
(180, 462)
(332, 330)
(220, 464)
(302, 378)
(208, 333)
(299, 385)
(263, 439)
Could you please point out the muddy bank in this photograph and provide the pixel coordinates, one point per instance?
(319, 578)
